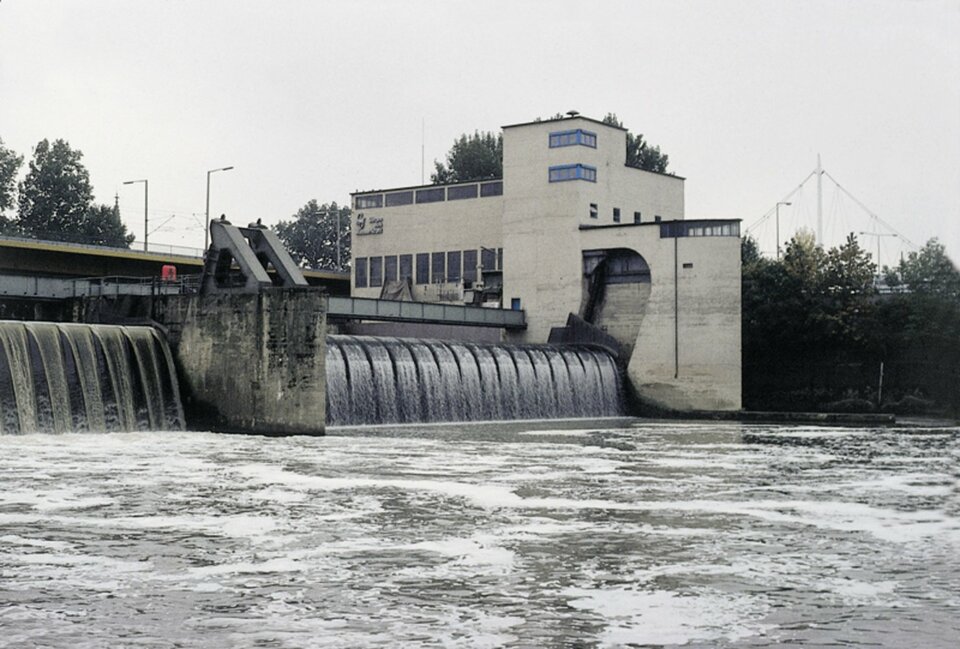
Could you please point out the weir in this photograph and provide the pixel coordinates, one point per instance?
(373, 380)
(77, 377)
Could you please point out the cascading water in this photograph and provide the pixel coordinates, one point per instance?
(393, 380)
(74, 377)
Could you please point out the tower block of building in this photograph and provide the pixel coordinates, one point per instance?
(570, 232)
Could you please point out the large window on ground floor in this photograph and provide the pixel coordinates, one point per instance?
(438, 267)
(376, 271)
(453, 266)
(470, 265)
(360, 272)
(423, 268)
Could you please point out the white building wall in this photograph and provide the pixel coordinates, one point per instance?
(427, 228)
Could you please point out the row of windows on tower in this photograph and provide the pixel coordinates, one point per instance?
(637, 216)
(426, 267)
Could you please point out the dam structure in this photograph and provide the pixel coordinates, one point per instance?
(572, 286)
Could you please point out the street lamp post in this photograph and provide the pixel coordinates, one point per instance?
(778, 224)
(339, 263)
(206, 229)
(146, 200)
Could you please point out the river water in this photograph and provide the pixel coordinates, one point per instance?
(575, 534)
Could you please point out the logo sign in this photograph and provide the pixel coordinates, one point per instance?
(369, 225)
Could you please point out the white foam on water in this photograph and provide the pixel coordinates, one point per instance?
(656, 617)
(13, 539)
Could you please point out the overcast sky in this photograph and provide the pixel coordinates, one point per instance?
(318, 99)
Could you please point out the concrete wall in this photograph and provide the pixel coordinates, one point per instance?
(250, 363)
(687, 352)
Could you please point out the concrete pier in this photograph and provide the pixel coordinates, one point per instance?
(250, 363)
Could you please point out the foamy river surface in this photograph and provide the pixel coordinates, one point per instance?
(583, 534)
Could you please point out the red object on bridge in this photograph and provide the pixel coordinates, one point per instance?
(168, 273)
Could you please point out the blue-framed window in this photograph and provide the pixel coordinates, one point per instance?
(573, 138)
(560, 173)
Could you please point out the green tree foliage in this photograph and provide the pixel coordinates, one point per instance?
(311, 237)
(815, 329)
(102, 226)
(9, 166)
(56, 201)
(474, 157)
(640, 154)
(928, 272)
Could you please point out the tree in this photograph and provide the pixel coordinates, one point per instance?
(56, 201)
(311, 237)
(475, 157)
(9, 166)
(56, 193)
(930, 271)
(640, 154)
(102, 227)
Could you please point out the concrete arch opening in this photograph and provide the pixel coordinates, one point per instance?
(616, 292)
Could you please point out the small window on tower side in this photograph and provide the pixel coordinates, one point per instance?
(616, 215)
(593, 210)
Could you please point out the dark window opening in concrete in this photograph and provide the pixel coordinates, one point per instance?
(439, 267)
(488, 258)
(399, 198)
(423, 268)
(636, 217)
(406, 266)
(430, 195)
(390, 268)
(470, 265)
(688, 265)
(616, 215)
(360, 265)
(461, 192)
(453, 266)
(593, 211)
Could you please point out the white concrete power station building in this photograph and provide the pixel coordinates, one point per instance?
(577, 239)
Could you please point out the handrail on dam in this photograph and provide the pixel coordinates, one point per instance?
(360, 308)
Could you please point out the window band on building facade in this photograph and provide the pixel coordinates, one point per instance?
(573, 138)
(561, 173)
(699, 229)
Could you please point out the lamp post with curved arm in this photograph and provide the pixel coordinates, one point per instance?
(206, 225)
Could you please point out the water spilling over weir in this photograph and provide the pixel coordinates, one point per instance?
(373, 380)
(77, 377)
